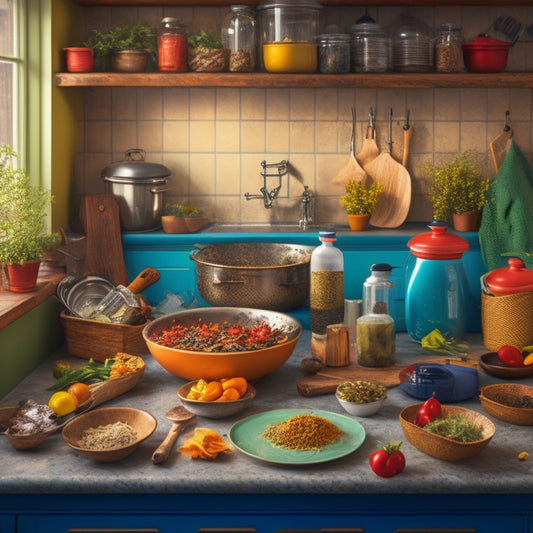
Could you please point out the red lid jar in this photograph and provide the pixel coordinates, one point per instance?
(510, 280)
(438, 244)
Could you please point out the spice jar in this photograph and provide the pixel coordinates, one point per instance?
(376, 342)
(172, 46)
(238, 36)
(326, 291)
(448, 48)
(370, 48)
(334, 53)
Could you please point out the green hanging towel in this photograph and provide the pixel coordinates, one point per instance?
(507, 222)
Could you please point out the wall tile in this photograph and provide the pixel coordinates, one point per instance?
(202, 136)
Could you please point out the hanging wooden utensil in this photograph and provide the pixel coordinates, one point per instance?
(352, 170)
(407, 134)
(500, 145)
(370, 149)
(395, 200)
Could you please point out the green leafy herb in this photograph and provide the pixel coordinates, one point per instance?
(204, 40)
(88, 373)
(436, 342)
(455, 427)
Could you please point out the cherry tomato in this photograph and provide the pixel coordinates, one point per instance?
(510, 356)
(388, 460)
(431, 410)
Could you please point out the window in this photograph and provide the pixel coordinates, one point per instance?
(10, 65)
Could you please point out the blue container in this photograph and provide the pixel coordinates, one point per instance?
(438, 295)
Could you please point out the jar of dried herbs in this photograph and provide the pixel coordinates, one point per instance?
(448, 48)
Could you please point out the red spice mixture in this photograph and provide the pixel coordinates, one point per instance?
(217, 337)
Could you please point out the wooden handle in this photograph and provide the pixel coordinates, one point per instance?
(337, 345)
(163, 451)
(407, 133)
(144, 279)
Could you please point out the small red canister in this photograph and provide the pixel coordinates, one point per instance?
(79, 59)
(510, 280)
(172, 46)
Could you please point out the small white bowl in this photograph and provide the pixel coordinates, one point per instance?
(362, 409)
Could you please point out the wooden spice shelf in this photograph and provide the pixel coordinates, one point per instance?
(265, 80)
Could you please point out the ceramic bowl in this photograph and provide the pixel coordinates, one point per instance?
(19, 441)
(215, 409)
(491, 364)
(141, 421)
(443, 447)
(362, 408)
(491, 397)
(194, 365)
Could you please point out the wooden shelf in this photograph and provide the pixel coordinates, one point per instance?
(251, 80)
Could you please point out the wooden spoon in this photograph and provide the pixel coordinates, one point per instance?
(180, 417)
(500, 145)
(369, 150)
(352, 170)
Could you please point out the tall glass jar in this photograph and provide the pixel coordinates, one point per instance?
(376, 343)
(238, 36)
(448, 48)
(172, 46)
(334, 53)
(370, 48)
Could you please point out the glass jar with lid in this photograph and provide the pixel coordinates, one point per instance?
(288, 36)
(370, 48)
(238, 36)
(448, 48)
(172, 46)
(334, 53)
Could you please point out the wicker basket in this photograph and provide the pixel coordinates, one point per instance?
(442, 447)
(488, 397)
(507, 320)
(100, 340)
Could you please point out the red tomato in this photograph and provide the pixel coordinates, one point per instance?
(510, 356)
(430, 410)
(388, 460)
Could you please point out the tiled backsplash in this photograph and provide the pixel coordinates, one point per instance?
(214, 139)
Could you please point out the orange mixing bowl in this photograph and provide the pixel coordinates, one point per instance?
(251, 365)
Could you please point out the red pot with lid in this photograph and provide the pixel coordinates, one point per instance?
(510, 280)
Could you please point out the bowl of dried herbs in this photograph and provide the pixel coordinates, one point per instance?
(361, 397)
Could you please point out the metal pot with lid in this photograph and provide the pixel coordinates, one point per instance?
(138, 187)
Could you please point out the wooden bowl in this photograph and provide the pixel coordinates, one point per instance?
(215, 409)
(141, 421)
(442, 447)
(490, 363)
(19, 441)
(488, 397)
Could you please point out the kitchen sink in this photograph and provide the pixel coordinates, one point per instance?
(224, 227)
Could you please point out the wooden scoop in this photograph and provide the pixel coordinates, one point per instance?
(369, 150)
(395, 200)
(180, 417)
(500, 145)
(352, 170)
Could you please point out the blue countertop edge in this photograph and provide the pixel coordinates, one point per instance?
(53, 468)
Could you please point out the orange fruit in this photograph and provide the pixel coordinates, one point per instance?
(229, 395)
(62, 403)
(80, 391)
(236, 383)
(213, 390)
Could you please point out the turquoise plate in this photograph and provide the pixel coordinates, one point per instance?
(246, 435)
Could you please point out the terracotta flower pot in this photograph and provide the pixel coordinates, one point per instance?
(195, 224)
(467, 221)
(79, 59)
(173, 224)
(358, 222)
(23, 278)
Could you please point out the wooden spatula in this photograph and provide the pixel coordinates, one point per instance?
(352, 170)
(500, 145)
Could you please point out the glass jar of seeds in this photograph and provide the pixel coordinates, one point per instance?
(448, 48)
(334, 53)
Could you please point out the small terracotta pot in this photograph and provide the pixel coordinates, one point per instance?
(173, 224)
(195, 224)
(23, 278)
(129, 61)
(358, 222)
(467, 221)
(79, 59)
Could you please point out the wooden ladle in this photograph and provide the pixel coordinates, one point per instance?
(180, 417)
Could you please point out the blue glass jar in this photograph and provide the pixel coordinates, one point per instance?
(437, 293)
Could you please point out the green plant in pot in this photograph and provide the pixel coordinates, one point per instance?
(459, 191)
(178, 218)
(128, 48)
(360, 202)
(23, 235)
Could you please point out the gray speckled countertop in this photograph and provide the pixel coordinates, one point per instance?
(54, 468)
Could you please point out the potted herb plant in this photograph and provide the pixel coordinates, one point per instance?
(459, 191)
(360, 202)
(128, 47)
(177, 218)
(206, 52)
(23, 235)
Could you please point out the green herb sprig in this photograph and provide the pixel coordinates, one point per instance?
(455, 427)
(436, 342)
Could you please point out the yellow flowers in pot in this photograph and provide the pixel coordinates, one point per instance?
(360, 202)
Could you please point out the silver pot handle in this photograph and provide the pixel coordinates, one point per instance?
(156, 190)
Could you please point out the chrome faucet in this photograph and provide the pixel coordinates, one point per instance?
(306, 202)
(269, 196)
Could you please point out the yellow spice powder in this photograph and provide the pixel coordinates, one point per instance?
(303, 432)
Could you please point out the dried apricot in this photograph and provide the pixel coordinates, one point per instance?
(528, 359)
(229, 395)
(236, 383)
(213, 390)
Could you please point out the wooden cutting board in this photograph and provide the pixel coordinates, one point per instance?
(327, 380)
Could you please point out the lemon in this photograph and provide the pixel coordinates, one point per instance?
(62, 403)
